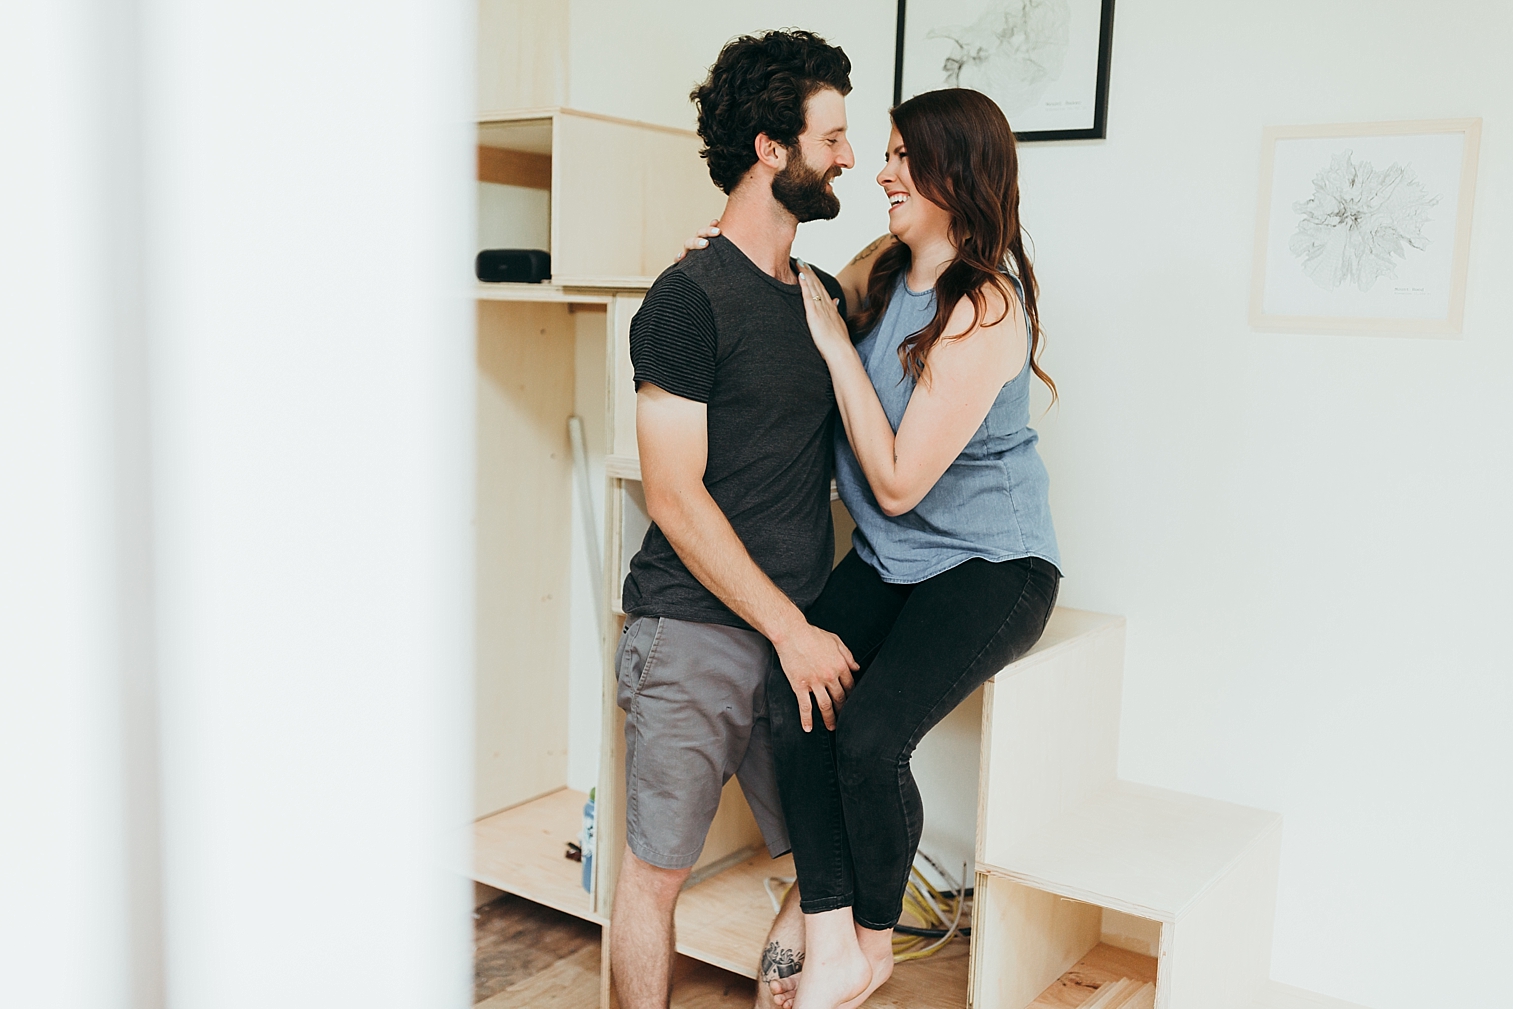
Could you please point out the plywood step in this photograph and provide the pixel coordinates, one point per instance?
(1142, 850)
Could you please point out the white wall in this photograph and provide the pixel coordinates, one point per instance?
(514, 217)
(640, 60)
(1309, 534)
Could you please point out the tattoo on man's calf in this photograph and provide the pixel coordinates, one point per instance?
(778, 961)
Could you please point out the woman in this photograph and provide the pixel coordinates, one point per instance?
(954, 568)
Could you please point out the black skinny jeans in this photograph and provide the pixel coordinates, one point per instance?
(853, 810)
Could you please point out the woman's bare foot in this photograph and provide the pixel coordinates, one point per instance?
(877, 947)
(836, 971)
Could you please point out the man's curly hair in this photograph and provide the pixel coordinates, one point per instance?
(760, 84)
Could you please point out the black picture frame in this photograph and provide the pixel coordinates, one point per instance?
(1099, 129)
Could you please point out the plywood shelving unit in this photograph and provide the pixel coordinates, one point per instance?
(616, 193)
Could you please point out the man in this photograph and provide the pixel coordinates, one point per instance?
(734, 419)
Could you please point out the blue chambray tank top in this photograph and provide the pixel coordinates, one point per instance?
(992, 500)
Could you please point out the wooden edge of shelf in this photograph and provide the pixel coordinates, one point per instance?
(622, 467)
(545, 901)
(538, 292)
(1164, 916)
(579, 290)
(491, 116)
(619, 285)
(488, 117)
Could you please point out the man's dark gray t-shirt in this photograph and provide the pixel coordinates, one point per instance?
(716, 329)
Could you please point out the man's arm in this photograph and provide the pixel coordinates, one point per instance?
(673, 436)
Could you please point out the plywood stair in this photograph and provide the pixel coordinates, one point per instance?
(1062, 842)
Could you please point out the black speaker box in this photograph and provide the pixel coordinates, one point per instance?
(513, 266)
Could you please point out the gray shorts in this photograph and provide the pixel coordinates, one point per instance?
(695, 700)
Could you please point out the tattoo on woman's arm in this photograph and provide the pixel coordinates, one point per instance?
(779, 961)
(869, 250)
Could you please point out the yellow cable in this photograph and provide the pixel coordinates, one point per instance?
(928, 905)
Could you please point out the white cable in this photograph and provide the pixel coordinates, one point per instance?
(590, 524)
(777, 904)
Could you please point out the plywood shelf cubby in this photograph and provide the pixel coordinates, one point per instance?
(622, 197)
(522, 850)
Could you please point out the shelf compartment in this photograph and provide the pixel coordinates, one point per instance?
(609, 222)
(1204, 871)
(522, 851)
(1047, 950)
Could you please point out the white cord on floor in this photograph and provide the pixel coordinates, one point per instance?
(777, 902)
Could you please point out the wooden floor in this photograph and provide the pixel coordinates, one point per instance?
(722, 921)
(528, 956)
(515, 940)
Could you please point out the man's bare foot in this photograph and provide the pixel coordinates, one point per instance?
(836, 971)
(783, 956)
(780, 967)
(877, 947)
(784, 990)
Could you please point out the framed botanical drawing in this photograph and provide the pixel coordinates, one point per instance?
(1364, 228)
(1045, 62)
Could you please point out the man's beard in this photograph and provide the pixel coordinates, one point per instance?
(802, 190)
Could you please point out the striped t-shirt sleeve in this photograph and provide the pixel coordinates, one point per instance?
(672, 339)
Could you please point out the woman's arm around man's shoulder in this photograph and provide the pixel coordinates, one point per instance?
(853, 279)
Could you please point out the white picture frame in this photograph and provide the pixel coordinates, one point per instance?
(1365, 227)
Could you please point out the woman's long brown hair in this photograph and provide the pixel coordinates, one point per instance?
(961, 158)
